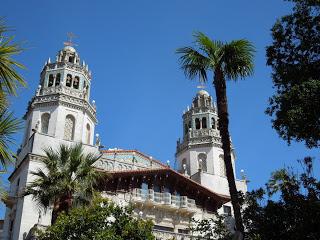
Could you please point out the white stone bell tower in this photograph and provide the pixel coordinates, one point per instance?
(199, 153)
(59, 113)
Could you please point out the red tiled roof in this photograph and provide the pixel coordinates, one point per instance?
(221, 197)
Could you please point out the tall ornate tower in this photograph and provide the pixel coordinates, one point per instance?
(199, 153)
(59, 113)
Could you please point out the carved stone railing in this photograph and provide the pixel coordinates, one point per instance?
(164, 199)
(167, 235)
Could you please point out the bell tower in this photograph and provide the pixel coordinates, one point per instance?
(199, 153)
(59, 113)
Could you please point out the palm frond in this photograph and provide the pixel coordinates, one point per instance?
(238, 59)
(10, 79)
(9, 125)
(193, 63)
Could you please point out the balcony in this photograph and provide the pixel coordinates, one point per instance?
(165, 200)
(166, 235)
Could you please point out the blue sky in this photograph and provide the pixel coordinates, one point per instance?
(137, 84)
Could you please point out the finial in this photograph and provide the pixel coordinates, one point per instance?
(70, 37)
(83, 63)
(49, 60)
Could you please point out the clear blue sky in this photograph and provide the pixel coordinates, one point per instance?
(137, 84)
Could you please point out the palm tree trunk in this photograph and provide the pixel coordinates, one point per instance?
(222, 102)
(64, 204)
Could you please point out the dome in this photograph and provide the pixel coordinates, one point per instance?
(203, 93)
(69, 48)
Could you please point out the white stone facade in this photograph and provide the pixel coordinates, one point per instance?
(61, 113)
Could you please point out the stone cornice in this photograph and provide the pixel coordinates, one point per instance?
(64, 100)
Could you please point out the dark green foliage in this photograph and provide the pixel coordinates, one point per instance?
(294, 216)
(102, 220)
(213, 228)
(295, 60)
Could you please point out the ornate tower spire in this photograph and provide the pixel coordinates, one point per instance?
(200, 123)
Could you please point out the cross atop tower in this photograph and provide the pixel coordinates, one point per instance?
(70, 35)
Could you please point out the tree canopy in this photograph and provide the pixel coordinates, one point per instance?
(101, 220)
(295, 60)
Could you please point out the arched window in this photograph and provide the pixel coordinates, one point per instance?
(222, 166)
(88, 134)
(69, 127)
(68, 80)
(202, 158)
(184, 167)
(71, 59)
(213, 123)
(45, 118)
(204, 122)
(58, 76)
(76, 82)
(197, 121)
(51, 80)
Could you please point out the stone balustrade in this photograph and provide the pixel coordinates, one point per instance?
(166, 199)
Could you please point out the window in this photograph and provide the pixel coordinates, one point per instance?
(202, 158)
(68, 80)
(45, 118)
(213, 123)
(204, 122)
(26, 136)
(51, 80)
(69, 128)
(197, 121)
(71, 59)
(88, 134)
(222, 166)
(58, 76)
(76, 82)
(227, 210)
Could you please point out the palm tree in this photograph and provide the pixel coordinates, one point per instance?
(68, 179)
(227, 61)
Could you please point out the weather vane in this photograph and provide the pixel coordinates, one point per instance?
(70, 35)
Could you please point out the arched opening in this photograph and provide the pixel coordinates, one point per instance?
(88, 134)
(202, 159)
(213, 123)
(76, 82)
(45, 118)
(51, 80)
(71, 59)
(69, 127)
(197, 122)
(204, 122)
(58, 76)
(68, 80)
(185, 128)
(223, 172)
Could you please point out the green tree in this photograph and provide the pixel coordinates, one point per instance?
(215, 228)
(69, 179)
(295, 60)
(294, 214)
(101, 220)
(10, 80)
(227, 61)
